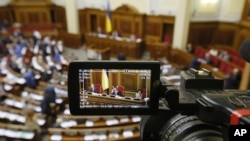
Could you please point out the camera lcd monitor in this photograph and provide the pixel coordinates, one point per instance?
(113, 87)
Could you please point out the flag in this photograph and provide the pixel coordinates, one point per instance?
(105, 80)
(108, 25)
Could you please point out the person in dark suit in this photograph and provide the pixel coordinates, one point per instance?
(115, 91)
(30, 78)
(93, 89)
(232, 81)
(121, 56)
(195, 63)
(48, 103)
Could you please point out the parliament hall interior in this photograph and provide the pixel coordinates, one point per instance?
(39, 39)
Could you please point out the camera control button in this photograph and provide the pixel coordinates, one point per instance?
(236, 102)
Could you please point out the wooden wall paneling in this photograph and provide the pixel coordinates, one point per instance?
(201, 32)
(87, 13)
(242, 35)
(224, 33)
(153, 29)
(32, 15)
(30, 2)
(114, 23)
(93, 22)
(102, 20)
(58, 16)
(224, 37)
(129, 81)
(114, 76)
(168, 27)
(126, 25)
(83, 21)
(138, 26)
(127, 20)
(6, 13)
(33, 11)
(95, 77)
(92, 19)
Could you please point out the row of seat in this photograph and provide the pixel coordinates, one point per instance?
(17, 116)
(14, 131)
(123, 132)
(224, 66)
(68, 122)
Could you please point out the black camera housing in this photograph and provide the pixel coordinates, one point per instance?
(204, 95)
(200, 109)
(79, 71)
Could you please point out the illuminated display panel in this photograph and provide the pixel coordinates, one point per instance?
(129, 77)
(108, 94)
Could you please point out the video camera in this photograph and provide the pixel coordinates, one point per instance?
(200, 109)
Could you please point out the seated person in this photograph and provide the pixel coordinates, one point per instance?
(224, 56)
(195, 63)
(115, 91)
(121, 56)
(207, 59)
(93, 89)
(190, 48)
(213, 52)
(30, 78)
(232, 80)
(138, 94)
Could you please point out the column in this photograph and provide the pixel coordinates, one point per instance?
(72, 16)
(245, 77)
(181, 25)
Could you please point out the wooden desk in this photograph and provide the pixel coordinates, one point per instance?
(112, 100)
(158, 50)
(132, 49)
(104, 52)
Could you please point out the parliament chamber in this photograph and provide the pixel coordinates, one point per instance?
(133, 33)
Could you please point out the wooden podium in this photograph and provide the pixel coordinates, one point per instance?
(132, 49)
(104, 52)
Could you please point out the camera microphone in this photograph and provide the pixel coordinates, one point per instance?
(245, 50)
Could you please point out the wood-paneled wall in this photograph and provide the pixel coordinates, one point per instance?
(129, 80)
(156, 27)
(224, 33)
(201, 32)
(58, 17)
(6, 14)
(27, 12)
(127, 20)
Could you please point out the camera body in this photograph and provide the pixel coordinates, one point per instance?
(199, 110)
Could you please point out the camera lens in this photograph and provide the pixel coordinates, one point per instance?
(189, 128)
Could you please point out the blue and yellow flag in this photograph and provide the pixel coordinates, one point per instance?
(105, 79)
(108, 25)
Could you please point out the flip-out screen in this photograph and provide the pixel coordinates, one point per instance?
(98, 87)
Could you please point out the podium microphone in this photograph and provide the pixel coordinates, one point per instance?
(245, 50)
